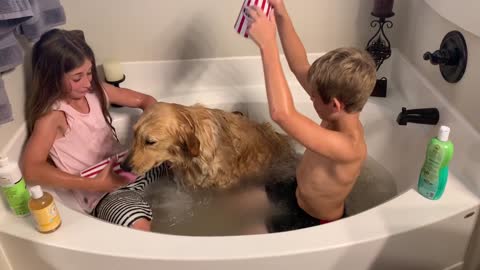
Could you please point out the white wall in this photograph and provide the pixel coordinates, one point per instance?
(185, 29)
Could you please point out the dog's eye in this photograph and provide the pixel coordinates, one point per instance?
(150, 142)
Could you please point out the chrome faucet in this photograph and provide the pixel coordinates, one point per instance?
(428, 116)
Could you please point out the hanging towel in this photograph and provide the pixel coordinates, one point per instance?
(28, 17)
(13, 9)
(5, 107)
(11, 53)
(12, 14)
(47, 14)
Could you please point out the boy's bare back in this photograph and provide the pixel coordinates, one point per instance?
(323, 183)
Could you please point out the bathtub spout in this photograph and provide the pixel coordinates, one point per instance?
(428, 116)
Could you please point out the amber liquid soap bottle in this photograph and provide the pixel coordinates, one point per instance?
(44, 211)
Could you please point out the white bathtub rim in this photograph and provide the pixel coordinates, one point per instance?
(161, 240)
(456, 196)
(355, 221)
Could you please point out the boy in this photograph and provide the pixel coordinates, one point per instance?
(339, 84)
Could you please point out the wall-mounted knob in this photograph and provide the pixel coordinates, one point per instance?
(451, 57)
(439, 57)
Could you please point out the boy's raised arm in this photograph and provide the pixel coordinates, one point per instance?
(282, 110)
(292, 46)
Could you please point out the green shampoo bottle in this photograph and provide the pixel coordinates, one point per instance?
(434, 172)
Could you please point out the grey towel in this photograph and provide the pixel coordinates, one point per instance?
(5, 107)
(12, 13)
(28, 17)
(13, 9)
(11, 53)
(47, 14)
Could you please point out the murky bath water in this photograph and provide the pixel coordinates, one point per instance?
(245, 210)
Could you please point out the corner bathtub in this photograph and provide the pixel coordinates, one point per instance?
(406, 232)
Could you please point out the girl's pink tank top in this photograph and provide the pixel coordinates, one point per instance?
(88, 140)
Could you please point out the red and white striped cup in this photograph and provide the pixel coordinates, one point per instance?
(92, 171)
(243, 20)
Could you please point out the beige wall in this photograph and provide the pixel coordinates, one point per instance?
(15, 85)
(421, 30)
(158, 30)
(4, 263)
(184, 29)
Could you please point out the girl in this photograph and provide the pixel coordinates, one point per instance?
(69, 125)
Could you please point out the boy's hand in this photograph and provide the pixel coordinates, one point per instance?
(108, 180)
(261, 29)
(278, 6)
(275, 3)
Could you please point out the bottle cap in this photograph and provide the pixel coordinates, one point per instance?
(443, 133)
(3, 161)
(36, 192)
(9, 172)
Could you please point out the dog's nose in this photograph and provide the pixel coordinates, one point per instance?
(125, 165)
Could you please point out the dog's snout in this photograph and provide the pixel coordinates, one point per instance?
(125, 165)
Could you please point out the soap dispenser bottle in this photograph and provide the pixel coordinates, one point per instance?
(44, 210)
(13, 187)
(434, 172)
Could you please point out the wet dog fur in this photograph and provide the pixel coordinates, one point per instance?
(206, 148)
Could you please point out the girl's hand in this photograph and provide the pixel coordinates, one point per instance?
(261, 29)
(108, 180)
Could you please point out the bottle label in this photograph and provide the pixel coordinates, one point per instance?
(432, 164)
(47, 218)
(17, 197)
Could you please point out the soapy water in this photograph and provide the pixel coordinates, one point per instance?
(236, 211)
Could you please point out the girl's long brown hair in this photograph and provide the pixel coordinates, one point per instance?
(55, 54)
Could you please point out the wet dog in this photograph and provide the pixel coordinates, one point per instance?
(205, 148)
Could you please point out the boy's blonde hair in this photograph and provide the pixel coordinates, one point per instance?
(348, 74)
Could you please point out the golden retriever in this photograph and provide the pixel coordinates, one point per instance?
(206, 148)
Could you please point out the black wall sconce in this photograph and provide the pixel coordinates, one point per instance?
(379, 46)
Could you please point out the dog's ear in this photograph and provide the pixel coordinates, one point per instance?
(191, 144)
(188, 141)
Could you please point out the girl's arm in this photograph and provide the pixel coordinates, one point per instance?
(37, 170)
(127, 97)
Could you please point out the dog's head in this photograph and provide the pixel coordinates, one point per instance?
(164, 132)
